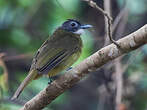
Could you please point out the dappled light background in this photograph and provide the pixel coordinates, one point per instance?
(26, 24)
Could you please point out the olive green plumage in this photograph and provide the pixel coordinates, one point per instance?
(56, 54)
(66, 45)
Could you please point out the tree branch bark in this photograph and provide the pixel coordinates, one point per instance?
(104, 55)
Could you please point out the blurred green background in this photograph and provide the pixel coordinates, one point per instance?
(26, 24)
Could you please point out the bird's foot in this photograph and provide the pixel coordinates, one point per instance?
(68, 68)
(50, 81)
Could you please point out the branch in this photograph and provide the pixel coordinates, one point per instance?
(66, 81)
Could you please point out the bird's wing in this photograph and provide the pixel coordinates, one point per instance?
(48, 57)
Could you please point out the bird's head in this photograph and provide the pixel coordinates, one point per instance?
(74, 26)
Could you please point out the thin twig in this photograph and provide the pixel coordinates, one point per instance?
(121, 26)
(120, 15)
(118, 18)
(109, 20)
(94, 5)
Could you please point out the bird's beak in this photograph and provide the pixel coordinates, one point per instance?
(86, 26)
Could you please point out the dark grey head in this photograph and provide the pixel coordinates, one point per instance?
(74, 26)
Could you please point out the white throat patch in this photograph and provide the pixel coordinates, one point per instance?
(80, 31)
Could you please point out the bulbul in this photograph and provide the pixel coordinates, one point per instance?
(57, 53)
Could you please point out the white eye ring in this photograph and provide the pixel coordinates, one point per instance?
(73, 24)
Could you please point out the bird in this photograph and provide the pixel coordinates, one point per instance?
(57, 53)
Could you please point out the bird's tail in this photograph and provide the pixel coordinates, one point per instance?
(26, 81)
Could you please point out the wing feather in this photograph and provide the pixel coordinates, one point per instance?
(49, 56)
(53, 62)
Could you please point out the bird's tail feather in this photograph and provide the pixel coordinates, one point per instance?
(26, 81)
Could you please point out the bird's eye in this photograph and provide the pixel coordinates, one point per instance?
(73, 24)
